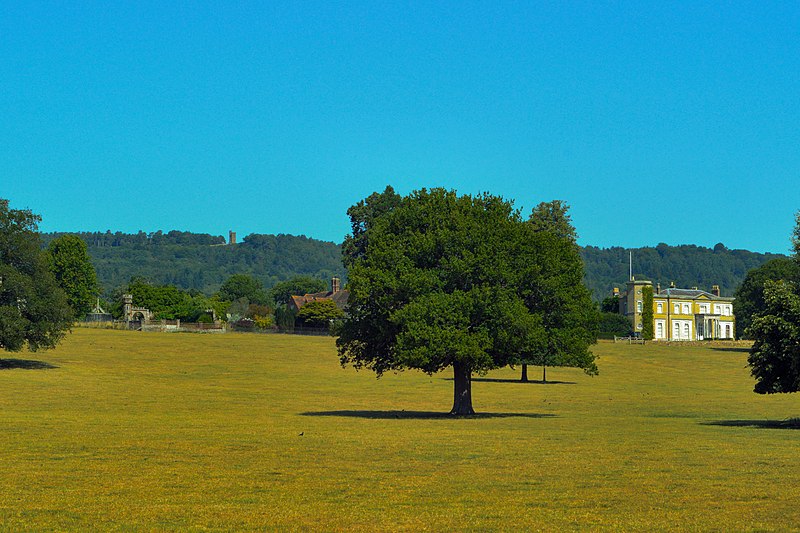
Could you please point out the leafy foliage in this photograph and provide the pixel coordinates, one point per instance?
(319, 313)
(557, 294)
(72, 267)
(298, 285)
(686, 265)
(243, 286)
(202, 262)
(168, 302)
(33, 310)
(750, 294)
(647, 312)
(775, 356)
(613, 324)
(443, 280)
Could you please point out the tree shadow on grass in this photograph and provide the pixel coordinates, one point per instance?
(26, 364)
(529, 382)
(417, 415)
(740, 350)
(789, 423)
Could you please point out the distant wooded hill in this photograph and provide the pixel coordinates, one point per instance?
(203, 262)
(687, 265)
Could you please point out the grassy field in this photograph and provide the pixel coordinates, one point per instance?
(191, 432)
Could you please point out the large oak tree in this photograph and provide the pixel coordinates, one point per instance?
(439, 280)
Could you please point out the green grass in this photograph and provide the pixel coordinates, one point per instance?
(155, 431)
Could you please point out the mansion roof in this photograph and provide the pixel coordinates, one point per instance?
(690, 294)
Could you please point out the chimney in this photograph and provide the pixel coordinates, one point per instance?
(335, 285)
(658, 288)
(615, 292)
(715, 290)
(671, 284)
(231, 237)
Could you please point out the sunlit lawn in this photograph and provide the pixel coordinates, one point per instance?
(149, 431)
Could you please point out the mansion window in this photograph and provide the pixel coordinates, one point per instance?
(677, 309)
(686, 309)
(660, 307)
(639, 306)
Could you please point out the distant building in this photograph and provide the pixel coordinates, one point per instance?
(680, 314)
(231, 237)
(336, 294)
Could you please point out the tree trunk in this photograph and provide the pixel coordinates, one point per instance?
(544, 373)
(524, 377)
(462, 390)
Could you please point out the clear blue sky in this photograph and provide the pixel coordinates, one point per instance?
(674, 122)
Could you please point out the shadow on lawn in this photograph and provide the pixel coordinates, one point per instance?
(529, 382)
(27, 364)
(388, 415)
(740, 350)
(789, 423)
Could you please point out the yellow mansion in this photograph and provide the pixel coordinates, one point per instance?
(680, 314)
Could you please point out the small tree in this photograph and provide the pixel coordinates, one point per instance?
(557, 294)
(647, 312)
(72, 267)
(319, 313)
(33, 308)
(243, 286)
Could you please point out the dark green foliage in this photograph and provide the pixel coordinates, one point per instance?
(775, 356)
(319, 313)
(72, 267)
(362, 216)
(285, 318)
(198, 261)
(168, 302)
(686, 265)
(442, 280)
(244, 286)
(34, 311)
(647, 312)
(610, 304)
(298, 285)
(553, 217)
(555, 292)
(750, 294)
(613, 324)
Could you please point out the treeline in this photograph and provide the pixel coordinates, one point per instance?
(687, 265)
(202, 261)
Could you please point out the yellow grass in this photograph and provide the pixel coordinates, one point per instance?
(191, 432)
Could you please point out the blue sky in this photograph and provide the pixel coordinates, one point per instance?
(670, 122)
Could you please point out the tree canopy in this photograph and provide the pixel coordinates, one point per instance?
(243, 286)
(442, 280)
(775, 329)
(319, 313)
(555, 291)
(72, 267)
(33, 310)
(775, 356)
(298, 285)
(750, 294)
